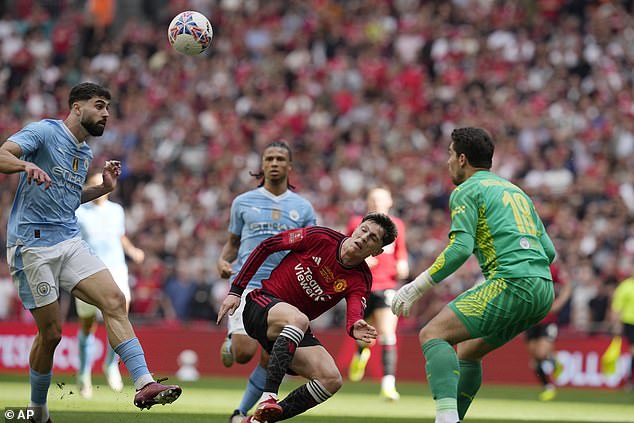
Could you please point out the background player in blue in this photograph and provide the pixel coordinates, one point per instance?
(255, 216)
(102, 225)
(44, 249)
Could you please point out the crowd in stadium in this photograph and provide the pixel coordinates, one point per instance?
(366, 93)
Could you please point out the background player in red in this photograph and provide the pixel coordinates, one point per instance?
(387, 269)
(322, 267)
(540, 339)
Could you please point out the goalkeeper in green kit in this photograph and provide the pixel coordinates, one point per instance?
(497, 222)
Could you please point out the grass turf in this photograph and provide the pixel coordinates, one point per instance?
(212, 400)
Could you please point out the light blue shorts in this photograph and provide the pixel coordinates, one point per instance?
(39, 272)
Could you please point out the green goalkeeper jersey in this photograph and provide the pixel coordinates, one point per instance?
(497, 222)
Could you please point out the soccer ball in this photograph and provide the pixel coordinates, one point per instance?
(190, 33)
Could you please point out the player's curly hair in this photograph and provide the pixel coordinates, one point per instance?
(281, 144)
(476, 144)
(388, 225)
(85, 91)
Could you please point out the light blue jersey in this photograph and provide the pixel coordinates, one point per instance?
(45, 218)
(102, 227)
(257, 215)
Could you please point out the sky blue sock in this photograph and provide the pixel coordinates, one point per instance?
(111, 357)
(39, 386)
(132, 355)
(86, 343)
(254, 390)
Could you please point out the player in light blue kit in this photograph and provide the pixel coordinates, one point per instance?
(255, 216)
(45, 251)
(102, 225)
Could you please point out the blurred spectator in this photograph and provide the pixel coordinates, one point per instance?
(179, 288)
(600, 307)
(366, 93)
(8, 295)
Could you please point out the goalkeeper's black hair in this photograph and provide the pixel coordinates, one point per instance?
(476, 144)
(281, 144)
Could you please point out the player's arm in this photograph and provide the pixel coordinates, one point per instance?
(464, 221)
(562, 298)
(616, 309)
(547, 244)
(288, 240)
(228, 255)
(110, 173)
(355, 305)
(10, 162)
(136, 254)
(293, 240)
(400, 252)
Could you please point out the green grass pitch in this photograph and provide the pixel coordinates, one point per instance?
(212, 400)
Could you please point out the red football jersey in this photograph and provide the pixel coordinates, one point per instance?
(384, 272)
(311, 276)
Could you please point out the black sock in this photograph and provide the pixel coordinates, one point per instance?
(541, 374)
(282, 356)
(301, 399)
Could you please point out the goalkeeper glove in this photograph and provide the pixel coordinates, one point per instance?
(410, 293)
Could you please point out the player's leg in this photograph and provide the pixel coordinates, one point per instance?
(87, 314)
(111, 361)
(238, 346)
(279, 327)
(356, 370)
(494, 313)
(286, 327)
(531, 335)
(324, 380)
(385, 324)
(630, 385)
(242, 349)
(91, 282)
(442, 368)
(628, 334)
(49, 334)
(545, 364)
(34, 273)
(254, 389)
(99, 289)
(470, 355)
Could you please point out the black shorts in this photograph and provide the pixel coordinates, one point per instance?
(542, 330)
(255, 314)
(628, 333)
(379, 299)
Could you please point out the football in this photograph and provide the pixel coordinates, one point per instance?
(190, 33)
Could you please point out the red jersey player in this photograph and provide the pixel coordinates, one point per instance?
(321, 268)
(540, 339)
(387, 269)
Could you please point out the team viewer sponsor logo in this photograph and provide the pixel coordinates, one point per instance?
(309, 284)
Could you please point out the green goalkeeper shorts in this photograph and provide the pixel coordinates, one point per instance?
(500, 309)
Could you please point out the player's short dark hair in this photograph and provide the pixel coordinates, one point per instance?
(85, 91)
(388, 225)
(476, 144)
